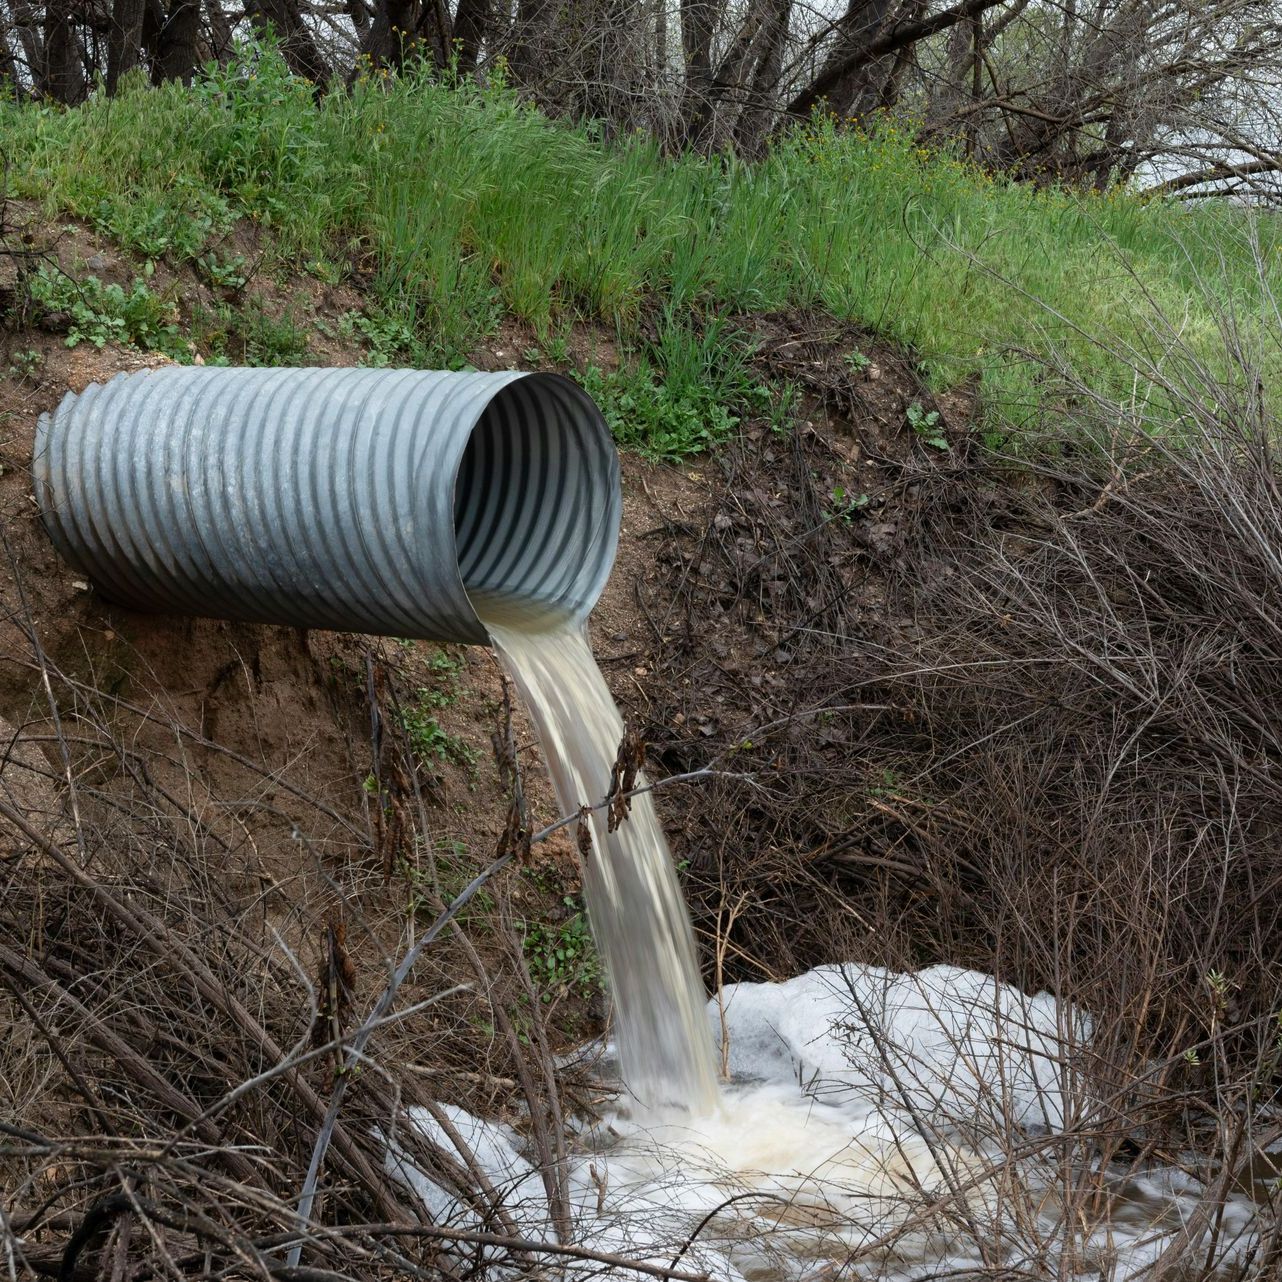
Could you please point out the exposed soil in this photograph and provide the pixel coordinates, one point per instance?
(253, 726)
(251, 749)
(292, 709)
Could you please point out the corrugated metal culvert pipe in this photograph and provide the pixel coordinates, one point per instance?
(353, 499)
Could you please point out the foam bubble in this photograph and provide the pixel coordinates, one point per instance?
(942, 1042)
(868, 1124)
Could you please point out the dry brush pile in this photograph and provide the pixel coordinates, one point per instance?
(1016, 716)
(175, 1057)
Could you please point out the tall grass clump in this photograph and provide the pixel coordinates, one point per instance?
(462, 204)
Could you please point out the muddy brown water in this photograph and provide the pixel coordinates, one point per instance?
(634, 901)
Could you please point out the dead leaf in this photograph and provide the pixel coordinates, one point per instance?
(623, 776)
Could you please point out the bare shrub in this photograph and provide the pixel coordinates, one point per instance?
(170, 1047)
(1020, 716)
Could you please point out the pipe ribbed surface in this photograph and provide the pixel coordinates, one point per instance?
(352, 499)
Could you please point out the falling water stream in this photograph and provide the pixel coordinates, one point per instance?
(840, 1120)
(634, 902)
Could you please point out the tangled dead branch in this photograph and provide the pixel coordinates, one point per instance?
(1020, 717)
(169, 1064)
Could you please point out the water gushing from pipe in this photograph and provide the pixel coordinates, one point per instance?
(634, 901)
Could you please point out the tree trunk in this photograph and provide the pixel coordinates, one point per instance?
(698, 22)
(947, 95)
(392, 36)
(756, 118)
(9, 79)
(531, 29)
(296, 44)
(176, 44)
(360, 13)
(859, 89)
(221, 40)
(976, 85)
(27, 24)
(471, 26)
(862, 69)
(436, 31)
(64, 75)
(124, 40)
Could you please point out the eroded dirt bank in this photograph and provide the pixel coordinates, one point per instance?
(1015, 716)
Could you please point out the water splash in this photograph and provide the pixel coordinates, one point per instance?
(863, 1125)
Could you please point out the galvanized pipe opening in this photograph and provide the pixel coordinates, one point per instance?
(378, 501)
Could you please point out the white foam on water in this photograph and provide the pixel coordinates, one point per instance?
(828, 1150)
(934, 1043)
(492, 1149)
(787, 1180)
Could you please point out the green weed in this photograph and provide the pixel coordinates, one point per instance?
(462, 203)
(109, 313)
(443, 875)
(269, 340)
(386, 339)
(926, 425)
(844, 504)
(230, 272)
(248, 335)
(168, 228)
(683, 394)
(259, 141)
(563, 957)
(25, 363)
(553, 352)
(430, 741)
(428, 738)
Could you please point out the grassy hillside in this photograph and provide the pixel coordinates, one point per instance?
(460, 204)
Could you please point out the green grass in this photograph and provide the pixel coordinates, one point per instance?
(463, 205)
(430, 741)
(248, 333)
(683, 392)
